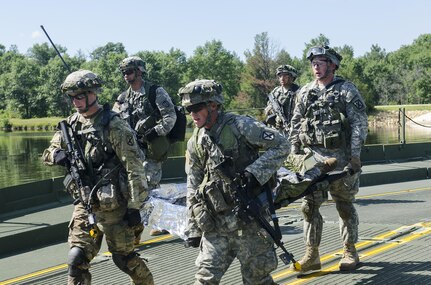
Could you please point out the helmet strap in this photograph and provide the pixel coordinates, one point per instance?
(87, 104)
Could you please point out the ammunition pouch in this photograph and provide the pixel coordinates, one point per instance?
(213, 194)
(332, 141)
(326, 135)
(70, 186)
(108, 198)
(203, 218)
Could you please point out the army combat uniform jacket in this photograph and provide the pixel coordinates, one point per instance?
(285, 98)
(239, 138)
(109, 146)
(332, 122)
(234, 143)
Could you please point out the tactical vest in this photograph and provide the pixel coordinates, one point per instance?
(324, 123)
(103, 167)
(136, 108)
(288, 102)
(229, 148)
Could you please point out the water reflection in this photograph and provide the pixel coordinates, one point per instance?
(20, 158)
(20, 152)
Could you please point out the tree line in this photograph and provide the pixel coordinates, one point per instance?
(30, 83)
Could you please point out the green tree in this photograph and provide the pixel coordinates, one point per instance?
(20, 90)
(166, 69)
(213, 61)
(42, 53)
(104, 63)
(258, 77)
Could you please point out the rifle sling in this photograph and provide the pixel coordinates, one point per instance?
(272, 212)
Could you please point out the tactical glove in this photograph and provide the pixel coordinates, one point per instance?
(151, 134)
(60, 157)
(354, 166)
(133, 217)
(192, 242)
(251, 184)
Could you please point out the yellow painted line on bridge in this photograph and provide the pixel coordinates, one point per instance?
(401, 192)
(414, 232)
(395, 192)
(64, 266)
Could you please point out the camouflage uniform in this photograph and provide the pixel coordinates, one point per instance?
(210, 215)
(285, 97)
(332, 122)
(113, 163)
(352, 106)
(135, 108)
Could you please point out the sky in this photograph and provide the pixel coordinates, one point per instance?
(160, 25)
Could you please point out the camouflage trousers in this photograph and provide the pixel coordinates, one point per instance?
(343, 193)
(255, 253)
(119, 238)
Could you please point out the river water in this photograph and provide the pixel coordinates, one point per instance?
(20, 152)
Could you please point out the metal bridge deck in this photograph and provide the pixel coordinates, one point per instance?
(394, 247)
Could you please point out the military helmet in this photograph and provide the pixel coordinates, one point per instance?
(81, 81)
(287, 69)
(201, 91)
(132, 62)
(326, 51)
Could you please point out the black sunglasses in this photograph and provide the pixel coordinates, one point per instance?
(128, 71)
(79, 96)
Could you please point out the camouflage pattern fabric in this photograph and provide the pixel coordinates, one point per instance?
(224, 236)
(110, 221)
(255, 252)
(344, 190)
(134, 106)
(286, 98)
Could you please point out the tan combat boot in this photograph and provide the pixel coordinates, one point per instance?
(310, 262)
(350, 258)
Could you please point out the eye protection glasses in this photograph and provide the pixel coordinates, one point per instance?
(318, 63)
(128, 72)
(78, 97)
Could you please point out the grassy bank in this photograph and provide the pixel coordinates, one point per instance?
(35, 124)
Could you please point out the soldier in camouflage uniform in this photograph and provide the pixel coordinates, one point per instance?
(212, 224)
(152, 126)
(279, 109)
(330, 118)
(112, 163)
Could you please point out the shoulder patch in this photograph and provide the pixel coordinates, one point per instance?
(358, 104)
(268, 136)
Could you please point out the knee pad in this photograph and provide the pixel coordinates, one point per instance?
(77, 261)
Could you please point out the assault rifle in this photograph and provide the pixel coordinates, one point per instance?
(248, 208)
(75, 166)
(278, 110)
